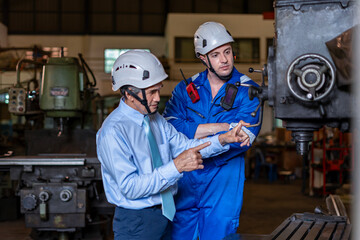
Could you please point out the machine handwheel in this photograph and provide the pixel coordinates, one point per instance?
(310, 77)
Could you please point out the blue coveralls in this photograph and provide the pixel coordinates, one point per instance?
(209, 201)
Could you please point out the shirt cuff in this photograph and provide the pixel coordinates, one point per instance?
(170, 172)
(215, 148)
(247, 131)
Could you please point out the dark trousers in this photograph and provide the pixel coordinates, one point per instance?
(142, 224)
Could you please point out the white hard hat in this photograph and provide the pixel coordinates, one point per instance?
(209, 36)
(138, 68)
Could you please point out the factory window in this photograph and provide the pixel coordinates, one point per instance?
(56, 51)
(110, 16)
(184, 50)
(247, 50)
(45, 53)
(111, 55)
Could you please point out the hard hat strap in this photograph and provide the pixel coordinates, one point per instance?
(224, 78)
(142, 101)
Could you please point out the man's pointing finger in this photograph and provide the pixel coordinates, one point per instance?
(201, 146)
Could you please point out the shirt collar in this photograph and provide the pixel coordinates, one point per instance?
(200, 80)
(131, 113)
(235, 76)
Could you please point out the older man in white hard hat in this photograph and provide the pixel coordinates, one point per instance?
(143, 156)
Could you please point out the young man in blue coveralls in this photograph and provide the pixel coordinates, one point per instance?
(142, 156)
(209, 200)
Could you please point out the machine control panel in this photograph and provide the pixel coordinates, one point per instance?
(17, 100)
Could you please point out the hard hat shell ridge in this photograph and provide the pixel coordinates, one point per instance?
(138, 68)
(209, 36)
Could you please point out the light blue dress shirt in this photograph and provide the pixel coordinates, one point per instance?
(125, 156)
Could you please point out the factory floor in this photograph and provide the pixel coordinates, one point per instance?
(266, 206)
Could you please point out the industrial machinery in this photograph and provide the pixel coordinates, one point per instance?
(309, 69)
(330, 223)
(309, 86)
(309, 66)
(59, 177)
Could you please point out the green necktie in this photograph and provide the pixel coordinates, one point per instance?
(168, 205)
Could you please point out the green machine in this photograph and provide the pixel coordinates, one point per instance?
(61, 88)
(64, 94)
(60, 185)
(65, 88)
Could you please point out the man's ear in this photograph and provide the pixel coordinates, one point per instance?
(202, 58)
(128, 96)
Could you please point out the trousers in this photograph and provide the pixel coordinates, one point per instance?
(209, 201)
(141, 224)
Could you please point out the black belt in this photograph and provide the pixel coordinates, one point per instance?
(159, 206)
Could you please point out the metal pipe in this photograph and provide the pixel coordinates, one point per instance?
(18, 66)
(27, 160)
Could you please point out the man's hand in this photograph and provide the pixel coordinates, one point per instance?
(190, 159)
(236, 135)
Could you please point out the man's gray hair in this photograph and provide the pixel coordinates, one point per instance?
(132, 88)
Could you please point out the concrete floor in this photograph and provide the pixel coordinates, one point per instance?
(266, 206)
